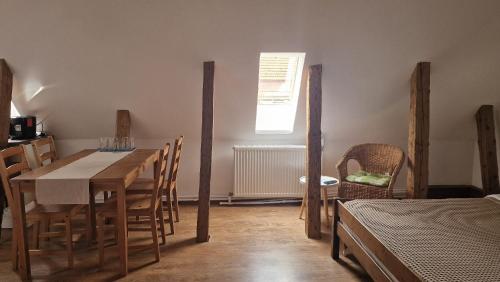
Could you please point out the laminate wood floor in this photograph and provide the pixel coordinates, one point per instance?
(250, 243)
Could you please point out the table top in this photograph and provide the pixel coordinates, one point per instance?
(325, 180)
(125, 169)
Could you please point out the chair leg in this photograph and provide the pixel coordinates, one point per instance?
(176, 204)
(89, 234)
(35, 236)
(170, 215)
(100, 239)
(303, 205)
(69, 241)
(325, 206)
(154, 232)
(14, 256)
(45, 227)
(159, 212)
(92, 214)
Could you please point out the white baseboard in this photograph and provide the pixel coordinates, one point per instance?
(399, 192)
(191, 198)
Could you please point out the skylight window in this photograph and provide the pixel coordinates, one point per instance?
(280, 75)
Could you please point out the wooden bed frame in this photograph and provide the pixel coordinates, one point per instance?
(376, 259)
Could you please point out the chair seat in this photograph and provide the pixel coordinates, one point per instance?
(136, 204)
(54, 210)
(141, 184)
(371, 179)
(143, 181)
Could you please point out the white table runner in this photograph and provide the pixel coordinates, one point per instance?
(70, 183)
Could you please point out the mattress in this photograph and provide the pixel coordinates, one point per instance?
(439, 240)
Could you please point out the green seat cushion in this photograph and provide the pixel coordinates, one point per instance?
(374, 179)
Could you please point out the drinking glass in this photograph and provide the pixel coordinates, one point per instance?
(131, 143)
(102, 143)
(110, 144)
(124, 144)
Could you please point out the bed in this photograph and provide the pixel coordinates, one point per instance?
(421, 240)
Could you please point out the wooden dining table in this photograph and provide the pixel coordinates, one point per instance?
(116, 177)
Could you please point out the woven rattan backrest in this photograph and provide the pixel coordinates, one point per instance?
(377, 158)
(12, 163)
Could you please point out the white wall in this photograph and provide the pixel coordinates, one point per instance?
(94, 57)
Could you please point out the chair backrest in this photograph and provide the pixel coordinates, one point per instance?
(377, 158)
(159, 176)
(174, 164)
(12, 163)
(44, 149)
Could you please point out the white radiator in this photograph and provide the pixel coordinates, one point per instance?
(268, 171)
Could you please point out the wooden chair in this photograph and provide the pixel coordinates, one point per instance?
(44, 149)
(40, 214)
(170, 191)
(172, 178)
(142, 203)
(373, 158)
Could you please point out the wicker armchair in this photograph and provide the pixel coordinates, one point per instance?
(374, 158)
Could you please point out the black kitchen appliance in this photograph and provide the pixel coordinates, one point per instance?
(23, 127)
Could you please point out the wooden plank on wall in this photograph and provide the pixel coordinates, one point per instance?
(487, 149)
(207, 125)
(5, 100)
(418, 137)
(313, 222)
(123, 123)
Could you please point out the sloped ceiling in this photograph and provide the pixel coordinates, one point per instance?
(93, 57)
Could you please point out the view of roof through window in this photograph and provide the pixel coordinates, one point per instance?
(279, 86)
(276, 78)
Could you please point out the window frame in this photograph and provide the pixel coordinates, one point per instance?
(297, 85)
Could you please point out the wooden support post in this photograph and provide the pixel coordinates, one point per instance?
(123, 123)
(418, 137)
(487, 149)
(5, 100)
(207, 125)
(313, 222)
